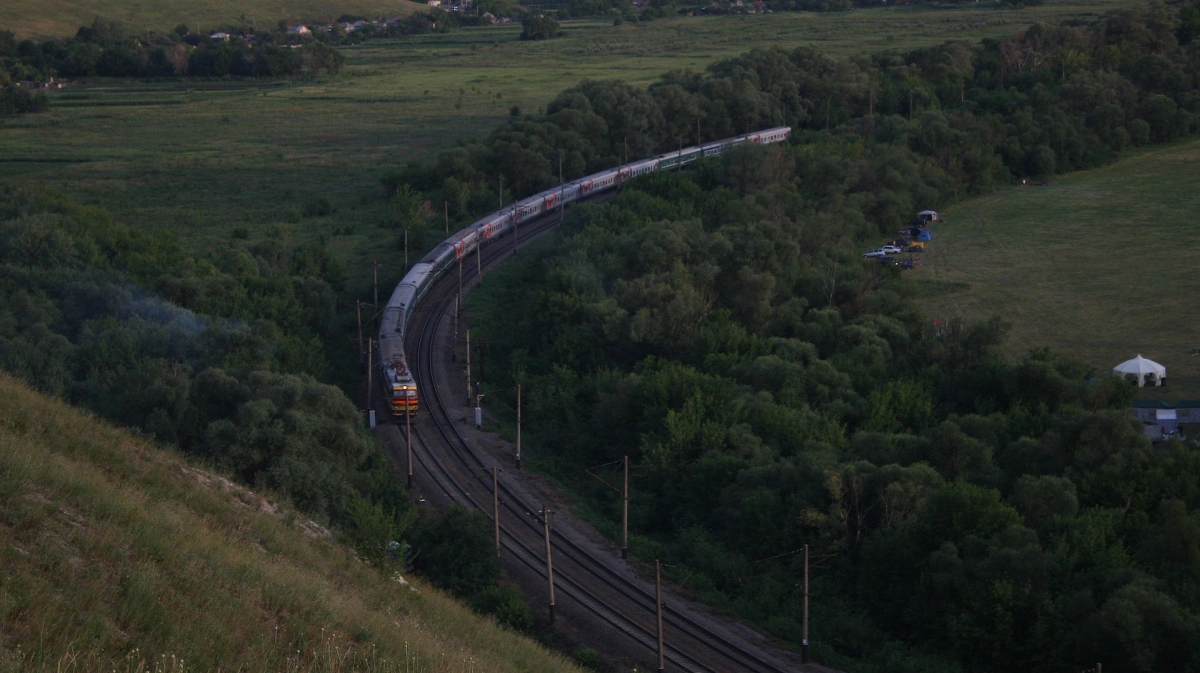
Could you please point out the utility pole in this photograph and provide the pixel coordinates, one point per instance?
(375, 272)
(460, 275)
(446, 208)
(454, 354)
(479, 262)
(697, 131)
(561, 191)
(625, 515)
(549, 560)
(470, 390)
(658, 606)
(518, 426)
(496, 505)
(501, 191)
(370, 374)
(406, 248)
(408, 435)
(358, 311)
(804, 624)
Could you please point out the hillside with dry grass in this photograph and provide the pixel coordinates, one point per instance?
(119, 554)
(57, 18)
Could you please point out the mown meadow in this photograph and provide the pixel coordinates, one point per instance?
(1097, 265)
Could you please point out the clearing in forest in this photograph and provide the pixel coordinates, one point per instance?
(1098, 264)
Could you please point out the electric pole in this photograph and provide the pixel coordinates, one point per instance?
(446, 208)
(518, 426)
(358, 312)
(408, 434)
(470, 390)
(406, 248)
(375, 273)
(561, 191)
(496, 505)
(804, 624)
(370, 373)
(625, 515)
(501, 191)
(549, 560)
(658, 606)
(479, 261)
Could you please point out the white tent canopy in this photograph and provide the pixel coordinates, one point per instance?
(1146, 371)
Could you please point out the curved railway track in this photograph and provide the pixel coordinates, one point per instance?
(447, 462)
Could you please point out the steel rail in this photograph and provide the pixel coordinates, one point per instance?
(679, 622)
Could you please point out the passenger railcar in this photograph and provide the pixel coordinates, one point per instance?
(398, 381)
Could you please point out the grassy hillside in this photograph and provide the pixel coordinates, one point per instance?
(118, 555)
(1098, 264)
(52, 18)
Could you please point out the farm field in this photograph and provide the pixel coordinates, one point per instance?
(55, 18)
(1097, 264)
(204, 158)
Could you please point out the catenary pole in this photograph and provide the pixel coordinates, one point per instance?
(370, 371)
(804, 624)
(549, 560)
(518, 426)
(470, 390)
(496, 505)
(658, 610)
(625, 515)
(358, 312)
(408, 435)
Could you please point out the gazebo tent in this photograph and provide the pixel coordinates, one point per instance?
(928, 215)
(1145, 371)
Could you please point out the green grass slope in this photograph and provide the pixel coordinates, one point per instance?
(55, 18)
(1099, 264)
(115, 554)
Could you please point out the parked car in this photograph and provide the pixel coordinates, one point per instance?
(891, 249)
(877, 252)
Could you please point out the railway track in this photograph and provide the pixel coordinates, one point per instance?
(448, 463)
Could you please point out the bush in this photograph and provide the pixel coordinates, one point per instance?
(318, 206)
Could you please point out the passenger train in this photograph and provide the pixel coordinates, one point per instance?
(398, 381)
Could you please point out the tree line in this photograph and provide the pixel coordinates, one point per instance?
(969, 511)
(105, 49)
(1047, 100)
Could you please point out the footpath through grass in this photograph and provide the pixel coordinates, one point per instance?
(1099, 264)
(119, 555)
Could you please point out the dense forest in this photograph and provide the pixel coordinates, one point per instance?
(225, 357)
(968, 512)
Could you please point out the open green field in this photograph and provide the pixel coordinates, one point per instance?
(57, 18)
(1097, 265)
(205, 157)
